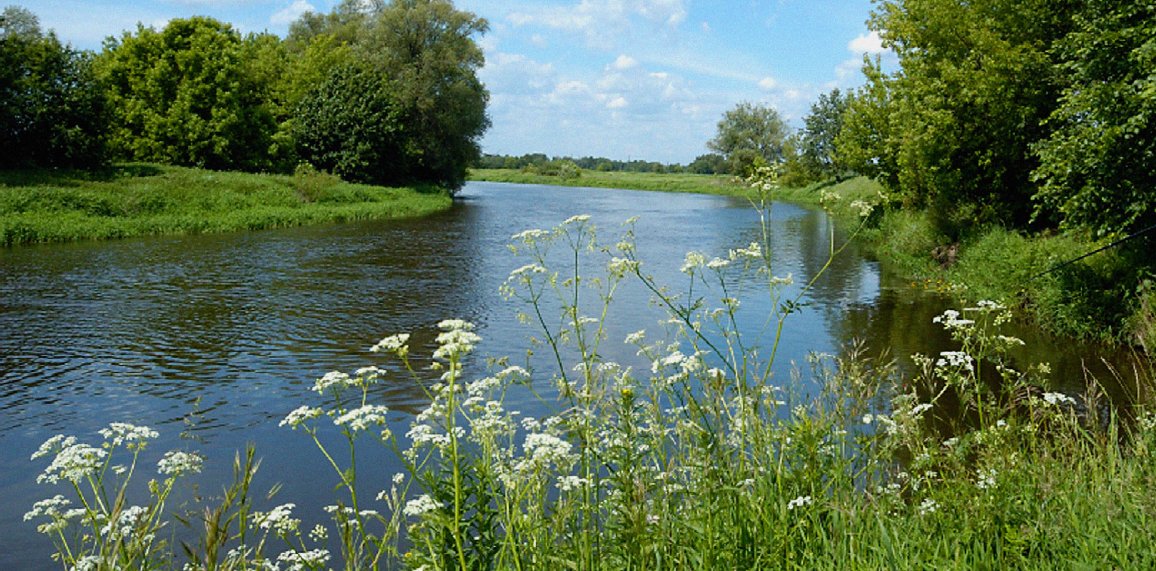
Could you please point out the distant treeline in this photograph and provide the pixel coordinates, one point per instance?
(543, 164)
(374, 91)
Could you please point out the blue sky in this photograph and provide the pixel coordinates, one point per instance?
(624, 79)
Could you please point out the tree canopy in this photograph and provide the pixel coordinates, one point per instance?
(1098, 166)
(185, 95)
(52, 110)
(749, 133)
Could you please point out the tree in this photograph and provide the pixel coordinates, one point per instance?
(977, 82)
(52, 110)
(747, 133)
(349, 125)
(426, 50)
(711, 163)
(816, 145)
(186, 95)
(1098, 168)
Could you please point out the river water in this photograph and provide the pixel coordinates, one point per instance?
(211, 340)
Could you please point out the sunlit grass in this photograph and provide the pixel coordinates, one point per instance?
(139, 199)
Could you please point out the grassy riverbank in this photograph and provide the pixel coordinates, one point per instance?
(682, 182)
(39, 206)
(1109, 296)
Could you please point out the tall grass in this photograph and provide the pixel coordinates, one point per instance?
(135, 200)
(700, 459)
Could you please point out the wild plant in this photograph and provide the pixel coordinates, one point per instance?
(105, 530)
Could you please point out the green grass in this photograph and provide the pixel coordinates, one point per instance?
(38, 206)
(682, 182)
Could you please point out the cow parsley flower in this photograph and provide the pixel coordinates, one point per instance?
(361, 418)
(302, 560)
(122, 432)
(277, 519)
(300, 415)
(73, 463)
(179, 463)
(420, 505)
(1057, 399)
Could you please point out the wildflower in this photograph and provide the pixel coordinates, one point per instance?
(301, 560)
(785, 281)
(950, 320)
(420, 505)
(799, 502)
(360, 418)
(928, 506)
(868, 418)
(121, 432)
(754, 251)
(864, 207)
(73, 463)
(570, 483)
(335, 380)
(48, 507)
(277, 519)
(957, 359)
(319, 533)
(1057, 399)
(718, 264)
(693, 260)
(985, 479)
(125, 523)
(456, 339)
(576, 219)
(179, 463)
(300, 415)
(622, 266)
(636, 337)
(546, 448)
(525, 272)
(54, 444)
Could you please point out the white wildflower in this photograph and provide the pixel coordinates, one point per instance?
(1057, 399)
(576, 219)
(302, 560)
(420, 505)
(74, 463)
(693, 260)
(300, 415)
(278, 519)
(178, 463)
(928, 506)
(335, 380)
(361, 418)
(957, 359)
(122, 432)
(799, 502)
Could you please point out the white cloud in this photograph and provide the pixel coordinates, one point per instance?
(625, 62)
(617, 103)
(767, 83)
(291, 13)
(869, 44)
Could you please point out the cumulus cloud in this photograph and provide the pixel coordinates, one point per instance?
(291, 13)
(767, 83)
(870, 44)
(625, 62)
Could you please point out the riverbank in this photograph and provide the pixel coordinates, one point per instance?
(38, 206)
(1106, 297)
(682, 182)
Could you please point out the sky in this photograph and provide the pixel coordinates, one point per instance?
(622, 79)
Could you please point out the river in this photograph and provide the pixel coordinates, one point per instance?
(212, 339)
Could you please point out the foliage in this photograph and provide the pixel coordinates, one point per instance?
(349, 125)
(711, 163)
(186, 96)
(52, 110)
(816, 145)
(682, 182)
(424, 54)
(953, 129)
(750, 133)
(1098, 167)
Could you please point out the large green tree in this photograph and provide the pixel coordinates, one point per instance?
(976, 84)
(816, 141)
(1098, 167)
(748, 134)
(426, 52)
(52, 109)
(187, 95)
